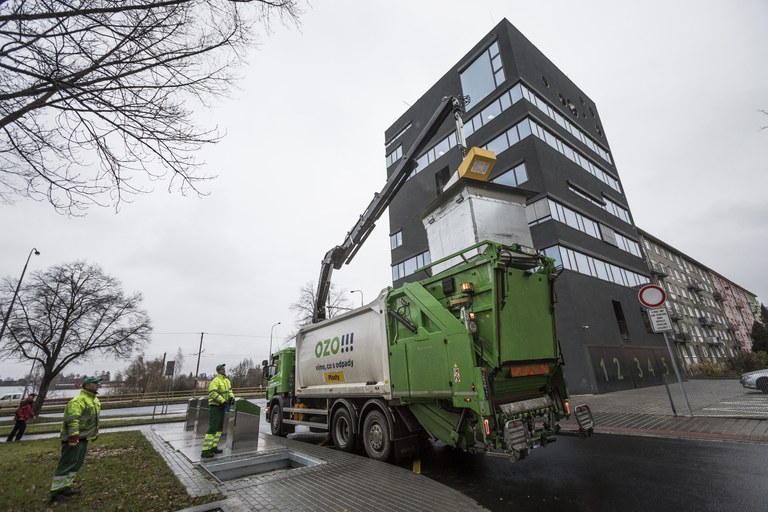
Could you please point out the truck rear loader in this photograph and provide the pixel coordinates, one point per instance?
(467, 356)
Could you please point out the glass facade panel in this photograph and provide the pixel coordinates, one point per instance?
(478, 81)
(513, 177)
(512, 137)
(442, 148)
(505, 101)
(396, 240)
(521, 173)
(524, 129)
(491, 111)
(496, 62)
(498, 144)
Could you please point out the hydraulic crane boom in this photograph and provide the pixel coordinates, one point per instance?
(355, 238)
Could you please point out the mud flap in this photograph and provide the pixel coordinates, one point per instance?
(585, 420)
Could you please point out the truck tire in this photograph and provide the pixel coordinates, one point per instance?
(342, 430)
(276, 425)
(376, 439)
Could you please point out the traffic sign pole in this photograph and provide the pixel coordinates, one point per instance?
(677, 374)
(653, 296)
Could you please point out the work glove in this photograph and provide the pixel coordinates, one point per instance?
(73, 440)
(231, 400)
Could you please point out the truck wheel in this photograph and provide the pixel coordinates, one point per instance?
(276, 424)
(341, 430)
(376, 440)
(762, 385)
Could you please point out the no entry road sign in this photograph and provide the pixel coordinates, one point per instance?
(652, 296)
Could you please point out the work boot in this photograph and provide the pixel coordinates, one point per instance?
(216, 450)
(208, 454)
(70, 491)
(57, 497)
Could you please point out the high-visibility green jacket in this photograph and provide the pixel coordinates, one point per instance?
(220, 390)
(81, 416)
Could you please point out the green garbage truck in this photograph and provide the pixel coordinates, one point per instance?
(467, 356)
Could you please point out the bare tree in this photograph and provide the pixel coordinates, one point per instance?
(179, 363)
(70, 313)
(338, 302)
(143, 376)
(98, 95)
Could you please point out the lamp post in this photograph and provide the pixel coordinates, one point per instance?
(270, 340)
(362, 300)
(15, 293)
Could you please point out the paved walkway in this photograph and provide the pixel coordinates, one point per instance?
(341, 482)
(722, 410)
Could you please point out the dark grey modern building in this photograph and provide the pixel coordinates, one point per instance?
(550, 141)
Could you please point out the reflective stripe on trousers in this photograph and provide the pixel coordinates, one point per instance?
(72, 459)
(215, 427)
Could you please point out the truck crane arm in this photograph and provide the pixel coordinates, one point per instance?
(341, 254)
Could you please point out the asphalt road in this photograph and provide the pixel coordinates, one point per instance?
(610, 473)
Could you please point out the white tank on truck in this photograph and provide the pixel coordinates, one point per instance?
(345, 355)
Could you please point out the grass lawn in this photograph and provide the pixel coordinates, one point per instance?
(122, 472)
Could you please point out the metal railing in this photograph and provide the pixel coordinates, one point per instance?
(114, 400)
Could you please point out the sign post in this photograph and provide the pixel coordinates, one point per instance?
(653, 297)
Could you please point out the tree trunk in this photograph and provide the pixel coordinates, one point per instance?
(45, 384)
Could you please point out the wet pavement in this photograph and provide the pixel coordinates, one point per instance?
(722, 410)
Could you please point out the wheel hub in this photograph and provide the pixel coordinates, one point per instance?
(376, 436)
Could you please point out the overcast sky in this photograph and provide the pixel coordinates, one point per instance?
(678, 86)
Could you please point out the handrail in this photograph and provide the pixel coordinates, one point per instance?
(150, 397)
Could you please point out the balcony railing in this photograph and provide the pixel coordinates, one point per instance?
(674, 313)
(706, 321)
(713, 340)
(659, 270)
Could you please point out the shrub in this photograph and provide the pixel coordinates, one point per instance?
(707, 369)
(748, 362)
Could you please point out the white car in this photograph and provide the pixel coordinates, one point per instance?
(10, 400)
(755, 380)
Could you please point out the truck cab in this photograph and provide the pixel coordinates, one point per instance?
(279, 371)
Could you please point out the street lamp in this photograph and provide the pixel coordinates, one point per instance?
(15, 293)
(270, 340)
(362, 300)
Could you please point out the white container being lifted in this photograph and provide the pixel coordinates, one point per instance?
(471, 211)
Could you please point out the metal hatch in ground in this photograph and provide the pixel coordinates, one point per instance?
(240, 468)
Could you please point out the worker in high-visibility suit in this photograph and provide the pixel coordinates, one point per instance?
(220, 398)
(81, 424)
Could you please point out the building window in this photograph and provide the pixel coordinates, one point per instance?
(537, 212)
(481, 77)
(513, 177)
(394, 156)
(614, 209)
(411, 265)
(441, 178)
(588, 265)
(396, 240)
(620, 320)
